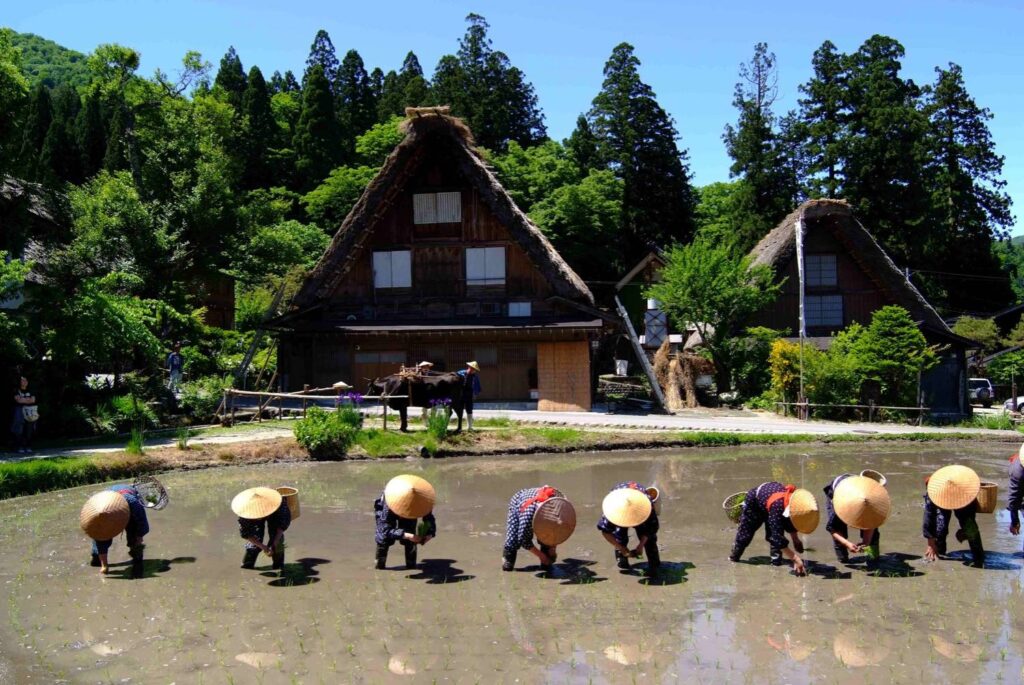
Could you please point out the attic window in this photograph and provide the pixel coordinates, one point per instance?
(485, 266)
(820, 270)
(392, 269)
(437, 208)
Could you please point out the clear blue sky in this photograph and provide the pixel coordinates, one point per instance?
(690, 51)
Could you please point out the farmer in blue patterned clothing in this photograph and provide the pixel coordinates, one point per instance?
(558, 522)
(781, 509)
(259, 510)
(630, 510)
(840, 531)
(109, 513)
(405, 499)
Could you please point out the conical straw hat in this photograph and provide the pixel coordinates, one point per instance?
(554, 521)
(409, 496)
(953, 487)
(861, 502)
(803, 511)
(105, 515)
(256, 503)
(626, 507)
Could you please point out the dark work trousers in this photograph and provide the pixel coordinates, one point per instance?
(650, 549)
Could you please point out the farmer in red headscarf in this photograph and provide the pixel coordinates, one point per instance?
(519, 531)
(781, 509)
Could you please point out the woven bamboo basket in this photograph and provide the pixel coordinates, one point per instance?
(733, 506)
(988, 497)
(291, 496)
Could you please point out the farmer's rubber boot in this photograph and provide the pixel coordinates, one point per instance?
(249, 560)
(95, 561)
(138, 565)
(410, 556)
(736, 553)
(508, 561)
(777, 558)
(842, 554)
(621, 560)
(382, 557)
(469, 421)
(278, 560)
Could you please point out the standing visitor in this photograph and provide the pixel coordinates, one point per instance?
(781, 509)
(630, 505)
(543, 513)
(260, 509)
(175, 368)
(109, 513)
(952, 490)
(859, 502)
(405, 499)
(24, 417)
(470, 389)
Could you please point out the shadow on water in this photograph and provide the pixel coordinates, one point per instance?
(440, 572)
(670, 573)
(150, 567)
(301, 572)
(994, 561)
(570, 572)
(827, 572)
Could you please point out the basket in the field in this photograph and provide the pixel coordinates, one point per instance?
(733, 506)
(151, 492)
(988, 497)
(291, 498)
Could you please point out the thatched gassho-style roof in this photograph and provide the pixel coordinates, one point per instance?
(421, 126)
(778, 247)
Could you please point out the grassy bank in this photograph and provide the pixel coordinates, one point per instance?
(40, 475)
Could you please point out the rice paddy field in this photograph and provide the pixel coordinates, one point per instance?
(330, 617)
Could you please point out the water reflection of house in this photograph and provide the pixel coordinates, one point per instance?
(848, 276)
(436, 262)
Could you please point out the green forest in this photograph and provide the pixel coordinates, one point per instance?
(131, 199)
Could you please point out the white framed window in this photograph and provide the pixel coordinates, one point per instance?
(823, 310)
(820, 270)
(392, 269)
(519, 309)
(437, 208)
(485, 266)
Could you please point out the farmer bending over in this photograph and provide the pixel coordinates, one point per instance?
(781, 509)
(405, 499)
(542, 512)
(630, 505)
(952, 490)
(857, 502)
(260, 509)
(109, 513)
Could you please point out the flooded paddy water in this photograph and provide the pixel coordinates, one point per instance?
(198, 618)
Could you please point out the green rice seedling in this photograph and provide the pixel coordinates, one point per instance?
(182, 438)
(136, 442)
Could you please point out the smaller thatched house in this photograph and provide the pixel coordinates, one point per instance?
(435, 262)
(848, 276)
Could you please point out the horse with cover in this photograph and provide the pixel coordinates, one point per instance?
(420, 391)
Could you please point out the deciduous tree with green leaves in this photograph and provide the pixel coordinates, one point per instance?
(710, 286)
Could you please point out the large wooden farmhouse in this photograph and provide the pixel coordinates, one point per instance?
(435, 262)
(847, 277)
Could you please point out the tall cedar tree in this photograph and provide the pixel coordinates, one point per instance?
(377, 83)
(322, 54)
(283, 84)
(354, 103)
(259, 131)
(60, 158)
(90, 133)
(768, 187)
(482, 86)
(823, 121)
(406, 88)
(316, 135)
(885, 151)
(231, 78)
(970, 205)
(636, 139)
(37, 122)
